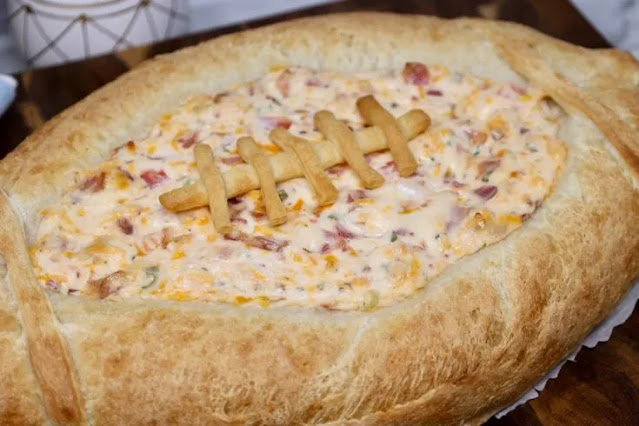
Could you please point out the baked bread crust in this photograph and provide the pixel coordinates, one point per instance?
(468, 344)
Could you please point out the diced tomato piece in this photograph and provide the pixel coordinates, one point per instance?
(153, 177)
(269, 123)
(94, 183)
(416, 73)
(187, 141)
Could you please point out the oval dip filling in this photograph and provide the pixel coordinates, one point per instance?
(489, 159)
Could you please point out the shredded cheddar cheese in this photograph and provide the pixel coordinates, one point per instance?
(486, 164)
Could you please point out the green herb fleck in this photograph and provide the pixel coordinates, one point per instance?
(283, 194)
(187, 182)
(531, 148)
(152, 274)
(332, 216)
(393, 237)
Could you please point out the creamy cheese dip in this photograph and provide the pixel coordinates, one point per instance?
(487, 162)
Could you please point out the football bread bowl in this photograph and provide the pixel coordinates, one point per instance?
(488, 323)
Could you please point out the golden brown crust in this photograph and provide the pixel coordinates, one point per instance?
(472, 341)
(47, 349)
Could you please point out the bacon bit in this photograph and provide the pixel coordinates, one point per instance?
(433, 92)
(518, 89)
(269, 123)
(188, 141)
(258, 241)
(125, 225)
(316, 82)
(416, 73)
(389, 166)
(457, 214)
(95, 183)
(53, 285)
(153, 177)
(358, 194)
(283, 82)
(343, 232)
(224, 252)
(108, 285)
(487, 166)
(236, 159)
(477, 138)
(235, 200)
(457, 185)
(218, 98)
(486, 192)
(403, 232)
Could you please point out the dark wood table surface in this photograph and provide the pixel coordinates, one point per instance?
(602, 387)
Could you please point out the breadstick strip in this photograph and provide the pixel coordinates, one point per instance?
(310, 163)
(242, 178)
(215, 186)
(376, 115)
(253, 155)
(338, 132)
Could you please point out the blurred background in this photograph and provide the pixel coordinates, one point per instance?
(46, 32)
(36, 33)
